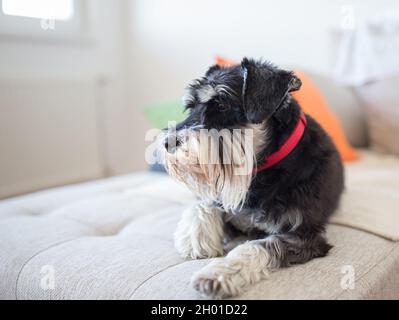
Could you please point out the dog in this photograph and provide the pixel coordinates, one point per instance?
(266, 186)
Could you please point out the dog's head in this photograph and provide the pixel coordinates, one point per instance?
(214, 149)
(238, 95)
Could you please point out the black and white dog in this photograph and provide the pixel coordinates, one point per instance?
(263, 171)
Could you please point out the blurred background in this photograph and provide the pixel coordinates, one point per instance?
(80, 80)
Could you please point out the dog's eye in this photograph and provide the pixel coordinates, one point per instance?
(223, 108)
(218, 106)
(189, 106)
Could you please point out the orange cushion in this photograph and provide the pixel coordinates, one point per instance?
(313, 103)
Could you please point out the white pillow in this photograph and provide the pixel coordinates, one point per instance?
(381, 101)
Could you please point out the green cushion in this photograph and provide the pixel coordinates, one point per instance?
(160, 114)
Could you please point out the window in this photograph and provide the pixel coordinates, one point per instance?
(42, 9)
(44, 18)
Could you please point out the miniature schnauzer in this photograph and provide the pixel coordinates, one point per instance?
(263, 171)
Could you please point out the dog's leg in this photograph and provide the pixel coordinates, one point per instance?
(252, 261)
(200, 232)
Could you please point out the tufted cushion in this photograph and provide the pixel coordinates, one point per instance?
(112, 239)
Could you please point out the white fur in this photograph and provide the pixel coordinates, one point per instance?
(225, 277)
(260, 135)
(200, 233)
(206, 93)
(291, 219)
(187, 98)
(225, 181)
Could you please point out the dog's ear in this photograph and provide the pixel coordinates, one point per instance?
(264, 88)
(294, 83)
(212, 69)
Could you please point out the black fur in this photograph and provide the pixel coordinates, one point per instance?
(304, 188)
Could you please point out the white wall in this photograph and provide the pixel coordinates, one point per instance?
(148, 50)
(104, 53)
(175, 40)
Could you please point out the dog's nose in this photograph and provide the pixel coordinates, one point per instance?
(171, 143)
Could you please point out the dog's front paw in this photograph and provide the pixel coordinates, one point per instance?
(196, 246)
(214, 284)
(229, 276)
(200, 233)
(191, 249)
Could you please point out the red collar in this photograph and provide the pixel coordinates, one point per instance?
(287, 147)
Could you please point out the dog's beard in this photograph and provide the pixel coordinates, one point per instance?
(217, 166)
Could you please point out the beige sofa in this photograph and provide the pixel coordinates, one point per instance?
(112, 239)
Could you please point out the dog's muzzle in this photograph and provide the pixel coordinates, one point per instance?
(171, 143)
